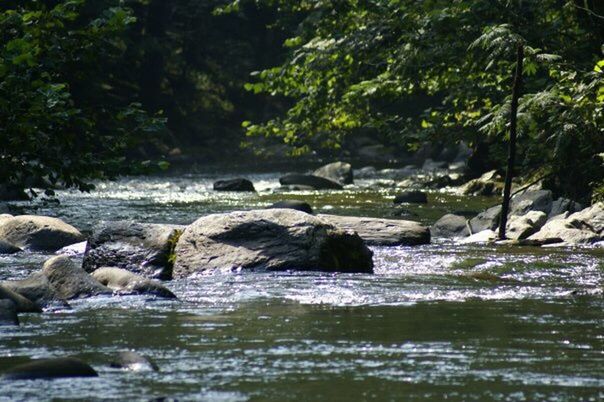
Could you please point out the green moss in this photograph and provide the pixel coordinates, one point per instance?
(172, 241)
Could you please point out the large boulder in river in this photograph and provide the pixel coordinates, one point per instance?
(46, 369)
(38, 233)
(316, 182)
(382, 232)
(271, 239)
(450, 225)
(125, 282)
(239, 184)
(69, 281)
(142, 248)
(340, 172)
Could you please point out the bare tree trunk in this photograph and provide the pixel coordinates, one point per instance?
(505, 205)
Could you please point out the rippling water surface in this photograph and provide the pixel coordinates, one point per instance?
(434, 322)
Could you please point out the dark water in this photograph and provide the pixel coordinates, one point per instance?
(437, 322)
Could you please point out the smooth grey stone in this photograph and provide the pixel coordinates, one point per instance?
(269, 240)
(382, 232)
(38, 233)
(70, 281)
(125, 282)
(450, 225)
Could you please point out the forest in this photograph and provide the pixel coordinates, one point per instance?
(302, 200)
(116, 82)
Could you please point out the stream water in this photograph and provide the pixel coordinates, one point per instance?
(435, 322)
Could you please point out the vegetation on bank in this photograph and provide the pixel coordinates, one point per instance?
(85, 87)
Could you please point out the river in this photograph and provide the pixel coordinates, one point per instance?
(436, 322)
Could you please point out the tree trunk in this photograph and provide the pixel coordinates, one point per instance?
(505, 205)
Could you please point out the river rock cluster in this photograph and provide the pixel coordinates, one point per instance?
(534, 219)
(126, 257)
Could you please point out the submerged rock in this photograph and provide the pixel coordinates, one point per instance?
(64, 367)
(316, 182)
(134, 361)
(142, 248)
(339, 172)
(412, 197)
(293, 204)
(8, 313)
(125, 282)
(382, 232)
(38, 233)
(238, 184)
(22, 304)
(271, 239)
(450, 225)
(70, 281)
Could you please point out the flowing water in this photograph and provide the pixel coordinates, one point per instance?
(435, 322)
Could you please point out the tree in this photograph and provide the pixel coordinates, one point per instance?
(61, 119)
(365, 65)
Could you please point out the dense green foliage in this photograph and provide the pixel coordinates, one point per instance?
(88, 86)
(441, 70)
(59, 119)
